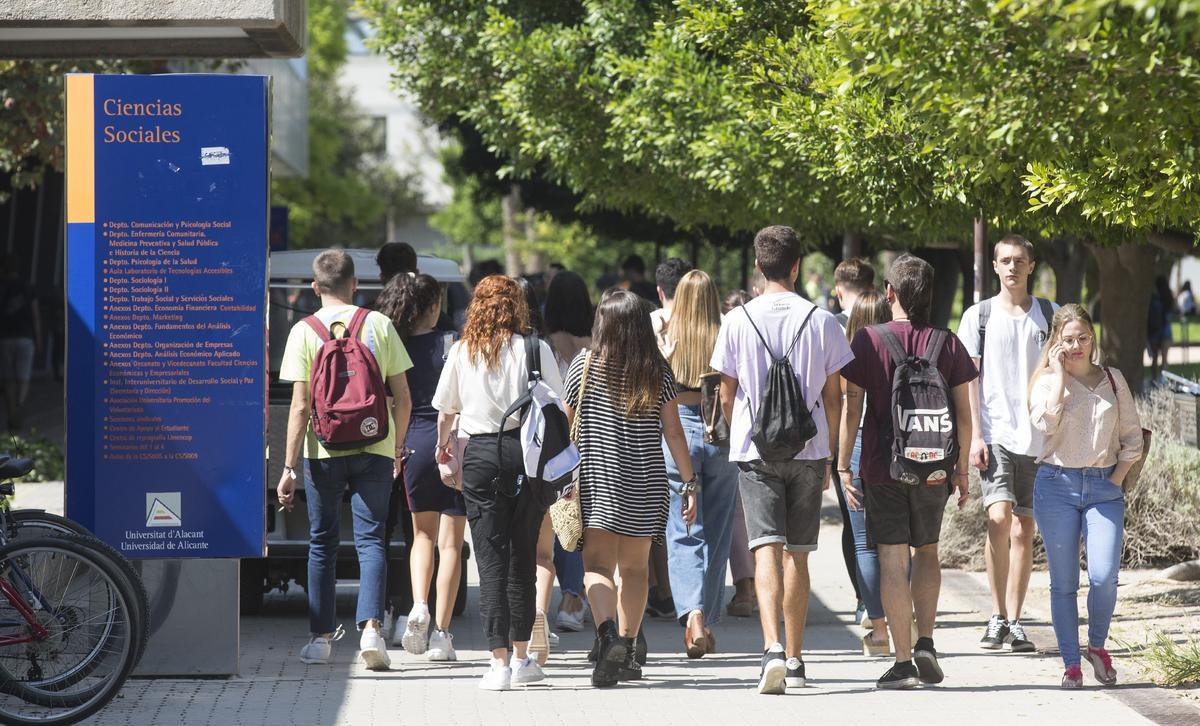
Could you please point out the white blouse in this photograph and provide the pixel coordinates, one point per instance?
(481, 395)
(1089, 427)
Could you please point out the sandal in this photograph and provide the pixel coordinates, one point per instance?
(695, 642)
(875, 648)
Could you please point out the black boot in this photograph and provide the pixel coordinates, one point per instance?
(609, 656)
(594, 653)
(631, 669)
(640, 647)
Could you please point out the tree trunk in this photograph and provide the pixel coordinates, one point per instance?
(945, 282)
(1091, 281)
(1068, 258)
(852, 245)
(509, 207)
(1126, 280)
(537, 258)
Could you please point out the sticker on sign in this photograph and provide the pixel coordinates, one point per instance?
(210, 155)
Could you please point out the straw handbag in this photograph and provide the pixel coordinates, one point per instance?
(566, 515)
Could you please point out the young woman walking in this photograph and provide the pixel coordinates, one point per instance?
(1093, 437)
(697, 554)
(439, 515)
(484, 374)
(623, 393)
(870, 309)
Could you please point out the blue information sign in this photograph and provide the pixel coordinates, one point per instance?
(167, 213)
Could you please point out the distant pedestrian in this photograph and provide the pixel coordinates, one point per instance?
(623, 393)
(20, 338)
(485, 372)
(439, 516)
(1158, 326)
(666, 277)
(633, 278)
(1185, 300)
(395, 258)
(1092, 438)
(367, 471)
(781, 496)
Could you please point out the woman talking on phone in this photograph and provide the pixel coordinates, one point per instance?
(1092, 438)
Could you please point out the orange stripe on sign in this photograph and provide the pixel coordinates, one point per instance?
(81, 149)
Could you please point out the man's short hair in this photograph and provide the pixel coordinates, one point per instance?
(333, 271)
(855, 275)
(777, 250)
(912, 279)
(668, 274)
(395, 258)
(634, 263)
(1013, 240)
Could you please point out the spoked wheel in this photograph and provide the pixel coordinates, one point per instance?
(27, 523)
(68, 632)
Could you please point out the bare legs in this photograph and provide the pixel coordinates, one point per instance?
(603, 553)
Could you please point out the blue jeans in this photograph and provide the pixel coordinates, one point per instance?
(369, 477)
(697, 561)
(569, 568)
(866, 559)
(1068, 503)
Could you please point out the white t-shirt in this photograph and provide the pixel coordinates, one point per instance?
(821, 350)
(481, 395)
(1012, 348)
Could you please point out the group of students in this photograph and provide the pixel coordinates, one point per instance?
(669, 410)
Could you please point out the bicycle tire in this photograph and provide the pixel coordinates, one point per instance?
(34, 520)
(70, 708)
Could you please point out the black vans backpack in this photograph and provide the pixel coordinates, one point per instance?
(784, 424)
(924, 435)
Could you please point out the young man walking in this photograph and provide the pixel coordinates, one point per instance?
(666, 278)
(908, 515)
(1004, 335)
(367, 471)
(781, 499)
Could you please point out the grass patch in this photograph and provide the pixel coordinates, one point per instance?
(1167, 662)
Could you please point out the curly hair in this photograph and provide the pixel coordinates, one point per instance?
(405, 298)
(496, 313)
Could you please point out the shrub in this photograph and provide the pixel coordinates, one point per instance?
(1167, 662)
(47, 456)
(1162, 513)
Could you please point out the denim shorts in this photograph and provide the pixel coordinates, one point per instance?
(782, 502)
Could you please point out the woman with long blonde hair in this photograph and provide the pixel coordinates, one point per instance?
(698, 554)
(1092, 437)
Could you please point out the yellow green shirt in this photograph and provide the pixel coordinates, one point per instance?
(383, 342)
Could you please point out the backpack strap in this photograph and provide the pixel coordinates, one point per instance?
(757, 331)
(892, 343)
(534, 374)
(985, 312)
(1047, 312)
(533, 359)
(933, 348)
(800, 332)
(1111, 381)
(318, 327)
(354, 330)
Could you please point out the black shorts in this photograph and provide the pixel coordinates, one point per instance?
(905, 514)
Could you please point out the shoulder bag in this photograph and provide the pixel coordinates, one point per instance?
(566, 514)
(1135, 471)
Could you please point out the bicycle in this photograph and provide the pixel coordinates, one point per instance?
(71, 625)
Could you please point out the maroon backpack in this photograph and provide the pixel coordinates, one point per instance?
(349, 400)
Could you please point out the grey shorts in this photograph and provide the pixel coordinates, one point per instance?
(782, 502)
(1009, 477)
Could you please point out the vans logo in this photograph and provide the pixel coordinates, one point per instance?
(925, 419)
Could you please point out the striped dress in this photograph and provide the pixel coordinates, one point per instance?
(623, 477)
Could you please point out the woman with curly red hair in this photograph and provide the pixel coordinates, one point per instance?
(485, 372)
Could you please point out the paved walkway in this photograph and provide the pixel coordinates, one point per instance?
(980, 688)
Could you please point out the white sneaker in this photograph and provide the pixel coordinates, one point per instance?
(416, 629)
(441, 646)
(498, 678)
(572, 621)
(317, 651)
(373, 648)
(527, 671)
(398, 628)
(553, 637)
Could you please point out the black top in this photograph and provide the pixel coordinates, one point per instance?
(428, 353)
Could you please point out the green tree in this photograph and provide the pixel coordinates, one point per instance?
(351, 187)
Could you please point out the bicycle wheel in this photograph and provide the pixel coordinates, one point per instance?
(25, 523)
(65, 619)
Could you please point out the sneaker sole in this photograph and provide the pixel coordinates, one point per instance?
(437, 656)
(415, 639)
(927, 666)
(570, 626)
(991, 646)
(1027, 648)
(376, 660)
(502, 687)
(903, 684)
(774, 680)
(792, 682)
(314, 661)
(526, 680)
